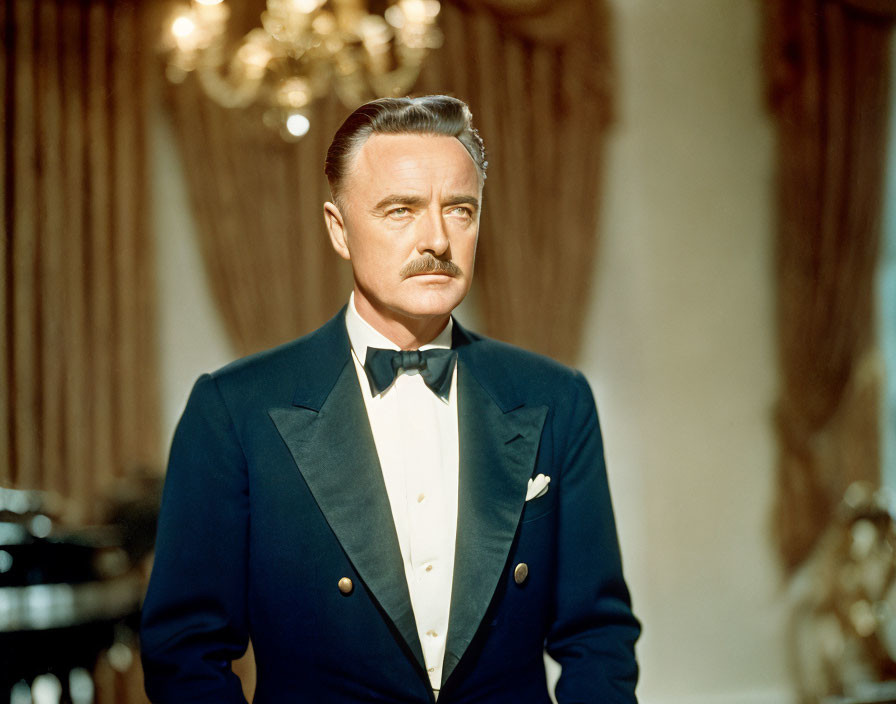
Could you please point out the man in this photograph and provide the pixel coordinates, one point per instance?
(393, 508)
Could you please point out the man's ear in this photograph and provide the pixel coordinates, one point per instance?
(336, 228)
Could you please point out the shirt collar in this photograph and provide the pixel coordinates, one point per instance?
(362, 334)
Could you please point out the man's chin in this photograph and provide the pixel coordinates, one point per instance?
(430, 304)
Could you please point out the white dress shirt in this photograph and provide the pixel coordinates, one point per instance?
(415, 433)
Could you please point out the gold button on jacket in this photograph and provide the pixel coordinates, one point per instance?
(345, 585)
(520, 573)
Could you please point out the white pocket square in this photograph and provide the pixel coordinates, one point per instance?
(538, 486)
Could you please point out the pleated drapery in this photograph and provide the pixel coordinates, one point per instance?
(537, 77)
(828, 78)
(258, 202)
(78, 376)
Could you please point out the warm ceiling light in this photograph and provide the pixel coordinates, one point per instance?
(182, 27)
(303, 50)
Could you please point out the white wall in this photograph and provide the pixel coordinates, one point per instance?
(192, 338)
(679, 344)
(680, 349)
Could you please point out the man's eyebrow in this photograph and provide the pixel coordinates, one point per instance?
(462, 200)
(398, 199)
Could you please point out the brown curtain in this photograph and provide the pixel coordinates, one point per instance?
(78, 375)
(828, 82)
(78, 380)
(259, 207)
(536, 75)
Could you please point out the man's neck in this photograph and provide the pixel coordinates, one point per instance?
(406, 332)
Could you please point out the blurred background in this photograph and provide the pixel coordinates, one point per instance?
(693, 202)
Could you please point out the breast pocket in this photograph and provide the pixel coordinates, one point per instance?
(538, 508)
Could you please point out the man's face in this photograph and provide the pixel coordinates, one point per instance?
(409, 224)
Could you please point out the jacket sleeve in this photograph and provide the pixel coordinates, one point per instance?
(194, 614)
(594, 631)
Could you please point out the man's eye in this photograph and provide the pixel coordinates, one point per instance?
(399, 211)
(462, 211)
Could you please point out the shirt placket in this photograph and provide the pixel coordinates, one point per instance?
(426, 520)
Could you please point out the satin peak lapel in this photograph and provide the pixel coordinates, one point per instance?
(497, 456)
(334, 450)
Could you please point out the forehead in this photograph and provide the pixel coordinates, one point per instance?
(412, 163)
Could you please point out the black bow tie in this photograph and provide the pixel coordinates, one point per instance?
(435, 366)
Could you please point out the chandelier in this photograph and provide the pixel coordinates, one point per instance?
(303, 50)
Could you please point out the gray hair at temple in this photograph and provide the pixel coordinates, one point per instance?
(430, 114)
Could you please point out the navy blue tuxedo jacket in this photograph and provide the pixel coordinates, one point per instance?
(274, 493)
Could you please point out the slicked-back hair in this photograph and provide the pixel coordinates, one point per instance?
(430, 114)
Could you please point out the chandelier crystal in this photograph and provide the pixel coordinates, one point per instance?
(303, 50)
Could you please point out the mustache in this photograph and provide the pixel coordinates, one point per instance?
(428, 264)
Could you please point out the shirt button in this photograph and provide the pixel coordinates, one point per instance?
(420, 498)
(429, 568)
(431, 669)
(432, 633)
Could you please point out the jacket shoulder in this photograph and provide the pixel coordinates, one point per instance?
(518, 373)
(274, 373)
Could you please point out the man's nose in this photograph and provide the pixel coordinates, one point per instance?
(432, 234)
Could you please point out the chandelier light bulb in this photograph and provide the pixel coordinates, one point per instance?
(394, 16)
(183, 27)
(297, 124)
(416, 11)
(209, 2)
(254, 54)
(306, 6)
(294, 93)
(325, 24)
